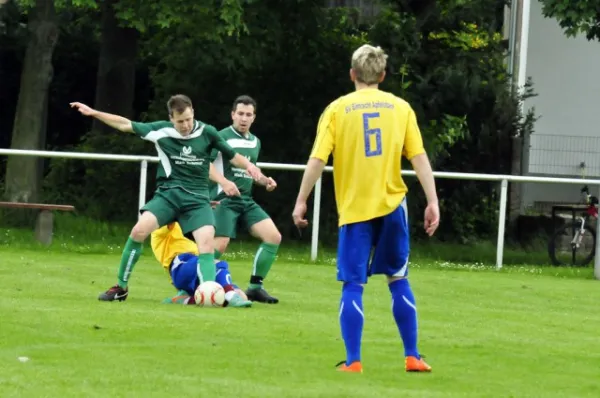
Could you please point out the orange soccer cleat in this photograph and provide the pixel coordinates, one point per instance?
(414, 364)
(354, 367)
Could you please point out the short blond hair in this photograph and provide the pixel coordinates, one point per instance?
(369, 63)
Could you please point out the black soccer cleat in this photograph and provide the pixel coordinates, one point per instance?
(261, 296)
(114, 293)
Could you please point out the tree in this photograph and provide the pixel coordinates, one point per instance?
(575, 17)
(23, 174)
(122, 23)
(129, 31)
(115, 82)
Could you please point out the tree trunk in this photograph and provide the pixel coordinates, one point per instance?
(115, 83)
(23, 173)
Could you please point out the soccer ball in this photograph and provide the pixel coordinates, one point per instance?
(210, 294)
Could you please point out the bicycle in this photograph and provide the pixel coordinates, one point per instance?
(576, 237)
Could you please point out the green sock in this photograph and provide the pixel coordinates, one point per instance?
(263, 260)
(218, 254)
(131, 254)
(207, 270)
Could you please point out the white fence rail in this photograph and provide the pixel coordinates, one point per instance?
(503, 179)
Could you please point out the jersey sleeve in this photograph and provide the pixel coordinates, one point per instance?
(219, 144)
(413, 142)
(325, 140)
(213, 155)
(158, 237)
(143, 129)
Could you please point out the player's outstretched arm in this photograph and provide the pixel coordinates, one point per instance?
(314, 169)
(229, 187)
(115, 121)
(243, 163)
(424, 172)
(266, 182)
(270, 185)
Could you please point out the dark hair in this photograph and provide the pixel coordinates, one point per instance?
(244, 99)
(178, 103)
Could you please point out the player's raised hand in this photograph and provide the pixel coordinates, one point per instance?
(230, 188)
(298, 215)
(432, 218)
(254, 172)
(83, 108)
(271, 184)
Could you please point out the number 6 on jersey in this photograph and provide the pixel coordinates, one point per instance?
(369, 132)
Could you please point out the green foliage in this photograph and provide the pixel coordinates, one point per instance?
(575, 17)
(445, 133)
(105, 190)
(214, 17)
(27, 5)
(446, 59)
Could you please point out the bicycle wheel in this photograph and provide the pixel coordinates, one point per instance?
(562, 252)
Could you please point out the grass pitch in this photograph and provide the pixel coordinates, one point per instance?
(520, 332)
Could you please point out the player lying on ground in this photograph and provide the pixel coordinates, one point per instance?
(243, 209)
(367, 132)
(184, 146)
(179, 256)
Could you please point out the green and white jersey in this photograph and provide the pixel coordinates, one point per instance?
(184, 161)
(249, 147)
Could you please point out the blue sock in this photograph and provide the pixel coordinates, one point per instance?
(352, 320)
(223, 277)
(405, 314)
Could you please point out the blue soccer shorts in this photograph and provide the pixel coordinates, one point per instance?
(377, 246)
(184, 273)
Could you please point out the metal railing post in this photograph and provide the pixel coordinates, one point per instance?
(314, 243)
(143, 182)
(597, 255)
(501, 223)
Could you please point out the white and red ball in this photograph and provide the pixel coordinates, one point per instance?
(210, 294)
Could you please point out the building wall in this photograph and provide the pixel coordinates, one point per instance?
(565, 74)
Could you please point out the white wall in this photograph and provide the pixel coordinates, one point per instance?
(566, 76)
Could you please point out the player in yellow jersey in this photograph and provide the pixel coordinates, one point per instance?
(367, 132)
(179, 256)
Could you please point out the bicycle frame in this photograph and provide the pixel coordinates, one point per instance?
(576, 241)
(591, 211)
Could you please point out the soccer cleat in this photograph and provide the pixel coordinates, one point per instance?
(114, 293)
(354, 367)
(181, 298)
(261, 296)
(414, 364)
(238, 302)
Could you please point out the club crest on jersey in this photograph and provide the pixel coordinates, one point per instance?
(186, 153)
(187, 157)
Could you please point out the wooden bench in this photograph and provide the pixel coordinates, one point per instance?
(44, 224)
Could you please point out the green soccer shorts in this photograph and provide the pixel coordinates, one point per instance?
(233, 210)
(175, 204)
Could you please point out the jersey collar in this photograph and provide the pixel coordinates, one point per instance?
(249, 137)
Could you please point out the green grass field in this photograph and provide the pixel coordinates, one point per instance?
(525, 331)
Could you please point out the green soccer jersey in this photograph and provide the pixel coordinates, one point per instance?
(184, 161)
(247, 146)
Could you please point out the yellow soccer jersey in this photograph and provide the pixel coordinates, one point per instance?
(168, 241)
(367, 132)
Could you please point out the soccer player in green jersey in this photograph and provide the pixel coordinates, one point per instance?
(244, 209)
(184, 146)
